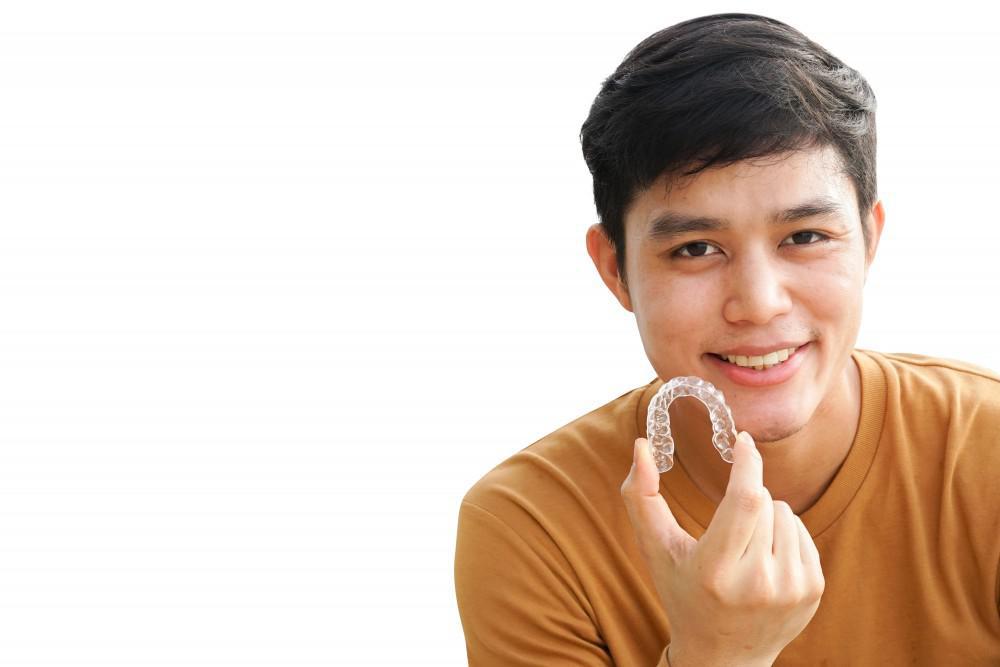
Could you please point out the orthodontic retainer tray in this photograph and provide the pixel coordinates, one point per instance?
(658, 419)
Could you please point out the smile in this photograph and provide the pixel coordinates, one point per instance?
(759, 362)
(771, 368)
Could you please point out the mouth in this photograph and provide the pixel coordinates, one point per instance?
(760, 362)
(769, 368)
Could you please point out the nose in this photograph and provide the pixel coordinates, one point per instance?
(758, 289)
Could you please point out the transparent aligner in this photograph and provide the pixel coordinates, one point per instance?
(658, 419)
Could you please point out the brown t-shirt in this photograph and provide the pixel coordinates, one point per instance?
(548, 572)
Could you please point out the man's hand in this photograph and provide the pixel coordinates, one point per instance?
(752, 582)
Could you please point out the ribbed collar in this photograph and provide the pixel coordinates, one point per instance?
(682, 491)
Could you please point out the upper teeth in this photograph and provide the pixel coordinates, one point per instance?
(769, 359)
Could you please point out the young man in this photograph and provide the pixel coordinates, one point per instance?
(734, 175)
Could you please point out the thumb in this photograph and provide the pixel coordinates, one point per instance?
(654, 524)
(647, 475)
(748, 464)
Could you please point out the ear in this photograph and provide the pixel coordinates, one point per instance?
(602, 252)
(876, 221)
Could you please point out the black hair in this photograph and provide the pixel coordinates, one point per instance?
(716, 90)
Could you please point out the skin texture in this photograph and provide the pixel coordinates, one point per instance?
(754, 284)
(748, 587)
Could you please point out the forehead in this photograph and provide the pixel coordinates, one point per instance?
(748, 192)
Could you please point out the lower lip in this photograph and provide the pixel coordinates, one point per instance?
(774, 375)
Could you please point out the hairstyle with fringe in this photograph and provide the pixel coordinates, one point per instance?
(716, 90)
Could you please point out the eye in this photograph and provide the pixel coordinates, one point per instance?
(804, 238)
(703, 248)
(697, 249)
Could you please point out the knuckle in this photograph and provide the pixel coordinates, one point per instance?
(808, 588)
(754, 590)
(715, 583)
(818, 585)
(763, 590)
(797, 592)
(783, 507)
(750, 499)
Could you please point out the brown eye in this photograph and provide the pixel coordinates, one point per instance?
(697, 249)
(802, 238)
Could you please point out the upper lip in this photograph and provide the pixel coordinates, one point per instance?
(758, 350)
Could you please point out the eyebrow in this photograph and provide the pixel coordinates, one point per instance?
(670, 225)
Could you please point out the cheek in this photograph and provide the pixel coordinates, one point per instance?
(669, 291)
(833, 289)
(676, 311)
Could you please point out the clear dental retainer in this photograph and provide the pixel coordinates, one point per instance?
(658, 419)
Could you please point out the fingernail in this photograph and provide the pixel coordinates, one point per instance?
(641, 445)
(749, 443)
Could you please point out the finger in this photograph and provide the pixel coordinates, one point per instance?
(808, 553)
(654, 524)
(762, 540)
(786, 538)
(729, 533)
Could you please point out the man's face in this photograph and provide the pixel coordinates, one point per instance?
(757, 257)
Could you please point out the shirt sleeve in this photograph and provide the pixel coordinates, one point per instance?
(518, 605)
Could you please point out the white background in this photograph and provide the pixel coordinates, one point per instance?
(280, 281)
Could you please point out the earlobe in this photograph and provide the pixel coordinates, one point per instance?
(625, 299)
(602, 252)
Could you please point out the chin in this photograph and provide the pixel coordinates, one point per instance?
(771, 422)
(771, 432)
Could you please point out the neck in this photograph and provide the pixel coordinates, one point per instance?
(797, 469)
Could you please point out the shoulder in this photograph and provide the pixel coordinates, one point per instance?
(922, 381)
(930, 366)
(948, 411)
(577, 462)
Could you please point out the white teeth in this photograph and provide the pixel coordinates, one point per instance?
(763, 361)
